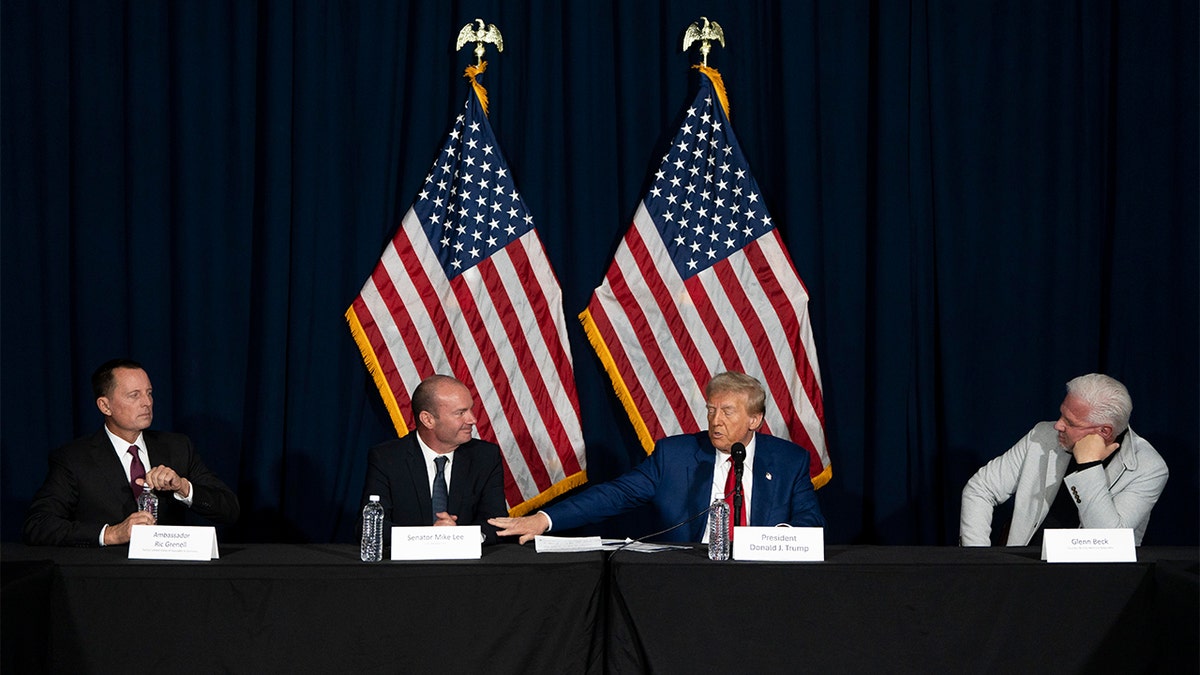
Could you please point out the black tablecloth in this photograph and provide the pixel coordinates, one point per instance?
(317, 608)
(901, 609)
(286, 608)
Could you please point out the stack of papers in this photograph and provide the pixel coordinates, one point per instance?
(547, 544)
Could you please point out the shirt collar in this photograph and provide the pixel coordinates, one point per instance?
(430, 455)
(121, 446)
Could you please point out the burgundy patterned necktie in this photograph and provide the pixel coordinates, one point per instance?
(136, 471)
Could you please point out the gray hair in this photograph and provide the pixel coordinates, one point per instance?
(756, 397)
(1107, 398)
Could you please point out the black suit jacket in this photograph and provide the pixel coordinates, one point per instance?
(87, 488)
(396, 472)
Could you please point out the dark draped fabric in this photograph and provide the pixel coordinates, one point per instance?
(984, 200)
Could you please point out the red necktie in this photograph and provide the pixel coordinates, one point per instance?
(136, 471)
(730, 487)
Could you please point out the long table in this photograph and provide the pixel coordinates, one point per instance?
(272, 608)
(903, 610)
(317, 608)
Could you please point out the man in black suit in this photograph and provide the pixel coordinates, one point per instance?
(89, 496)
(403, 471)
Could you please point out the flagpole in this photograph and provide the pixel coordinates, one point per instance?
(477, 33)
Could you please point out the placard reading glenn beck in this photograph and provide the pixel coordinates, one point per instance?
(795, 544)
(173, 542)
(1088, 545)
(463, 542)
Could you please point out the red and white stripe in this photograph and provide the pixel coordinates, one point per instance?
(667, 337)
(498, 328)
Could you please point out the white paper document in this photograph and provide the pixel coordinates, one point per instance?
(548, 544)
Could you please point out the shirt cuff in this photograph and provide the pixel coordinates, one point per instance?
(1086, 465)
(187, 501)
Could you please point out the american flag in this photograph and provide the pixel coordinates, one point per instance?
(701, 283)
(465, 288)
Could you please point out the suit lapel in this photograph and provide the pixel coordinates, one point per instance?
(154, 453)
(1125, 460)
(109, 465)
(764, 490)
(1056, 470)
(420, 478)
(458, 479)
(700, 483)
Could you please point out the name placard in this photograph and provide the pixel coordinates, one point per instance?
(794, 544)
(173, 542)
(463, 542)
(1088, 545)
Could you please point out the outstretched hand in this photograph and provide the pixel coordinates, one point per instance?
(527, 527)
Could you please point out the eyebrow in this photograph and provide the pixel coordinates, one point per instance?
(1070, 420)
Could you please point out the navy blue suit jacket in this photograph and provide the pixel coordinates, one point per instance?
(396, 472)
(676, 479)
(87, 488)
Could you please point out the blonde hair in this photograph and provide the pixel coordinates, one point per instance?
(756, 397)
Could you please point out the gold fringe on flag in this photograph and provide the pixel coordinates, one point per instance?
(610, 366)
(470, 74)
(718, 84)
(560, 488)
(822, 478)
(376, 371)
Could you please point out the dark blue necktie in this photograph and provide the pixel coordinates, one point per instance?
(441, 499)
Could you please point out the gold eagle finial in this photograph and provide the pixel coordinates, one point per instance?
(711, 30)
(479, 36)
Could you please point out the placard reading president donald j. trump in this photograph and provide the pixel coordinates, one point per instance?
(781, 544)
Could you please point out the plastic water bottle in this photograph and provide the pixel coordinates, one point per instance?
(371, 549)
(148, 501)
(718, 530)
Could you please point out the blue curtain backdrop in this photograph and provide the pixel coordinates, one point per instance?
(983, 198)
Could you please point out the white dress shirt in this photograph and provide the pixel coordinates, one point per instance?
(721, 468)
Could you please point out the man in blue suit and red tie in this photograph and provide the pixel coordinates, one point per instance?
(688, 472)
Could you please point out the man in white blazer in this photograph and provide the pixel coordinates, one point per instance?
(1088, 469)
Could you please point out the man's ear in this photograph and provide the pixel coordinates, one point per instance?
(102, 404)
(1106, 432)
(756, 422)
(425, 419)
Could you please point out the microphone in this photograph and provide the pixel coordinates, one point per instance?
(644, 537)
(738, 451)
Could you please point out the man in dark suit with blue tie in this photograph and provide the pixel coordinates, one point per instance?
(438, 474)
(89, 497)
(688, 472)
